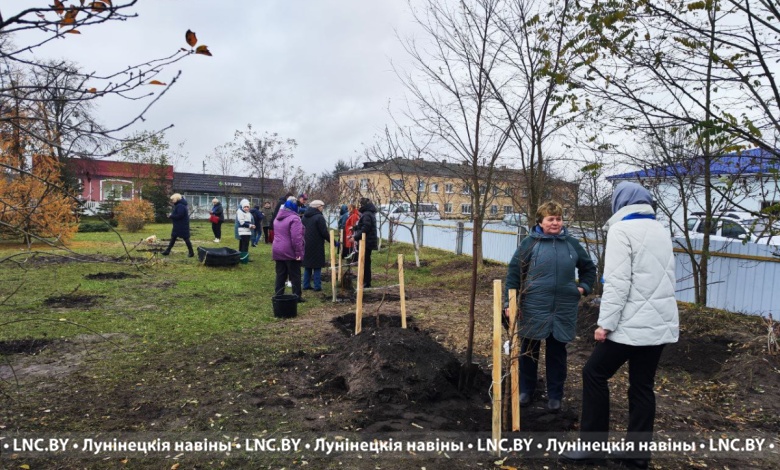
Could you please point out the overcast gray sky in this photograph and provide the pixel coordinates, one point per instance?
(318, 71)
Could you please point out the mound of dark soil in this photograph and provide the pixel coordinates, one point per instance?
(23, 346)
(346, 323)
(392, 365)
(72, 301)
(109, 276)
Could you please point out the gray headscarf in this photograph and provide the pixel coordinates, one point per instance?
(628, 193)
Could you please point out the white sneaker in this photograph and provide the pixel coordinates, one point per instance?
(289, 284)
(216, 240)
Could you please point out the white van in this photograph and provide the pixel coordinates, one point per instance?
(404, 210)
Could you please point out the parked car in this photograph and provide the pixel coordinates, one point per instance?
(516, 220)
(735, 225)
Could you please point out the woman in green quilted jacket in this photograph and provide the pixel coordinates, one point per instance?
(551, 272)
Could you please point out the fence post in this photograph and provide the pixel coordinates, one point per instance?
(459, 239)
(420, 225)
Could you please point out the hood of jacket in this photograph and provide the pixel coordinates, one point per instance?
(311, 212)
(182, 202)
(370, 207)
(285, 213)
(343, 210)
(629, 193)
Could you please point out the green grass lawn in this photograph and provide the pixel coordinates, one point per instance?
(168, 300)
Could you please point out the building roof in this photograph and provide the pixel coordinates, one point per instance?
(110, 169)
(198, 182)
(442, 168)
(748, 162)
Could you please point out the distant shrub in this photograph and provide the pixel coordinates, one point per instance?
(134, 214)
(93, 227)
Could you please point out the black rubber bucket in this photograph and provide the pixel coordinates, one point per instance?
(285, 306)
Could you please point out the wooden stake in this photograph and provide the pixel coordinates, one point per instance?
(403, 289)
(333, 279)
(514, 358)
(359, 309)
(497, 364)
(343, 241)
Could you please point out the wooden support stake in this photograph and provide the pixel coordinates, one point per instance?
(497, 327)
(514, 359)
(359, 309)
(403, 289)
(333, 279)
(343, 242)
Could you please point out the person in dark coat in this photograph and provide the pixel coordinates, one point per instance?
(343, 215)
(366, 227)
(303, 198)
(268, 217)
(316, 235)
(180, 215)
(218, 211)
(257, 216)
(542, 271)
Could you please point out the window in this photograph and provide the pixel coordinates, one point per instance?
(494, 210)
(465, 189)
(482, 189)
(465, 208)
(351, 184)
(421, 186)
(434, 187)
(508, 210)
(713, 228)
(525, 192)
(496, 191)
(119, 189)
(364, 184)
(449, 188)
(732, 230)
(691, 222)
(397, 185)
(448, 208)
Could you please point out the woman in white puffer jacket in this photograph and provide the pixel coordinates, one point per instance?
(638, 316)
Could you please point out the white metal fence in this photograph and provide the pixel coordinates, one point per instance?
(742, 277)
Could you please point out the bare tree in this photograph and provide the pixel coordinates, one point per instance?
(456, 104)
(401, 159)
(265, 155)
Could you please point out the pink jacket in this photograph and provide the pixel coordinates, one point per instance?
(288, 236)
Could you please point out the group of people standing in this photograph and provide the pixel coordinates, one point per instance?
(638, 316)
(300, 234)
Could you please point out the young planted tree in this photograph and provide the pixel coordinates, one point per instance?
(401, 158)
(455, 104)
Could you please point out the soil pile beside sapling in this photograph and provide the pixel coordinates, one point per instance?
(391, 365)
